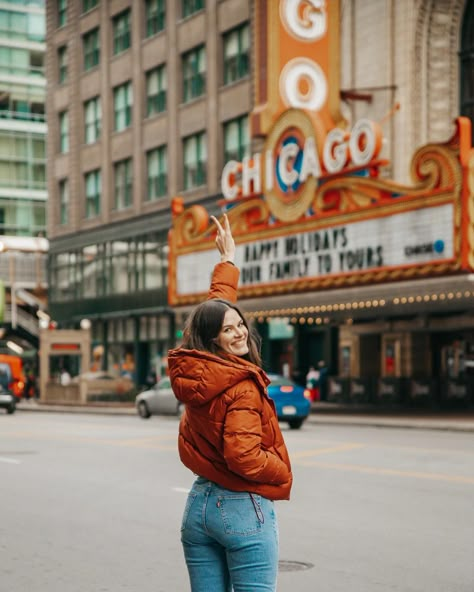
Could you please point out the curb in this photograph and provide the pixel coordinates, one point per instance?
(340, 416)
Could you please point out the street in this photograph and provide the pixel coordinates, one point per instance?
(94, 503)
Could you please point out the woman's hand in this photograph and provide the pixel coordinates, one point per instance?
(224, 239)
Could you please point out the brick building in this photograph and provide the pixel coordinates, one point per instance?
(149, 99)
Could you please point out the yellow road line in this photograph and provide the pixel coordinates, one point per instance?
(390, 472)
(318, 451)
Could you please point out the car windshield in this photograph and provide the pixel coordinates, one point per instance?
(5, 375)
(164, 383)
(277, 380)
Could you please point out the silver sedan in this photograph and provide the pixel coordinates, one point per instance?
(159, 400)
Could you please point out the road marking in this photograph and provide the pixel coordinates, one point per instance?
(318, 451)
(391, 472)
(10, 461)
(181, 489)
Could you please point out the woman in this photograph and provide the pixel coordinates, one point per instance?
(229, 436)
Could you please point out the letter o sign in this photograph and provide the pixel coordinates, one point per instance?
(365, 142)
(303, 85)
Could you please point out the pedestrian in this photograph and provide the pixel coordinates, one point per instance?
(230, 438)
(312, 383)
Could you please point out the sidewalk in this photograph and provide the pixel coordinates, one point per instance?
(322, 413)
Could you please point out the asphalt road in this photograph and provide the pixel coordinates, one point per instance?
(94, 503)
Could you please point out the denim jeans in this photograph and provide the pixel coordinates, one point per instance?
(230, 540)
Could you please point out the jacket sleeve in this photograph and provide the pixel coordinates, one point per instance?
(224, 281)
(243, 450)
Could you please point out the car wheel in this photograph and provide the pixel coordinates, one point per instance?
(11, 409)
(143, 410)
(295, 424)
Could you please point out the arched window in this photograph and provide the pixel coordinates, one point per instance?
(467, 64)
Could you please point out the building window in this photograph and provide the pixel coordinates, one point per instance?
(63, 202)
(89, 5)
(93, 190)
(62, 12)
(122, 35)
(156, 166)
(236, 54)
(123, 184)
(467, 64)
(156, 85)
(91, 49)
(155, 15)
(62, 64)
(92, 120)
(22, 161)
(122, 106)
(191, 6)
(63, 132)
(194, 73)
(22, 25)
(194, 157)
(236, 139)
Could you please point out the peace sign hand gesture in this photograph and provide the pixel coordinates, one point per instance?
(224, 239)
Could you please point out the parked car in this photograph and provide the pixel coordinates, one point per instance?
(7, 400)
(292, 401)
(159, 399)
(11, 370)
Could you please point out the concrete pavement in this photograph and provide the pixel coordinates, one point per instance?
(322, 413)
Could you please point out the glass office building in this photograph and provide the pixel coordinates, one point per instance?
(22, 119)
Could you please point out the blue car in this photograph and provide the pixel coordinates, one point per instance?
(292, 401)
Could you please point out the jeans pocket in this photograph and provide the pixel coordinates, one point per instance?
(187, 508)
(239, 515)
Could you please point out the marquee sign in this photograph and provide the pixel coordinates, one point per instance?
(310, 210)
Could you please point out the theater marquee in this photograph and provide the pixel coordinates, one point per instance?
(310, 210)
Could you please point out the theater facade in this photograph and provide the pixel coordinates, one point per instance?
(340, 263)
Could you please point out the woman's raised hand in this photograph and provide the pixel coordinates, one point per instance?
(224, 239)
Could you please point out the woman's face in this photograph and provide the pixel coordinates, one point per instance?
(233, 336)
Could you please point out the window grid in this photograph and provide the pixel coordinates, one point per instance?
(236, 139)
(156, 160)
(123, 184)
(92, 120)
(93, 189)
(89, 5)
(62, 13)
(236, 54)
(63, 132)
(62, 64)
(63, 202)
(194, 73)
(155, 17)
(122, 36)
(91, 49)
(189, 7)
(156, 85)
(122, 106)
(194, 159)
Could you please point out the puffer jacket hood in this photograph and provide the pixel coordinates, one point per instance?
(198, 377)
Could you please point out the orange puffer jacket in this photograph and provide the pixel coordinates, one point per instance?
(229, 432)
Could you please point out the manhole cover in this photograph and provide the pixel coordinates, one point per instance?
(293, 565)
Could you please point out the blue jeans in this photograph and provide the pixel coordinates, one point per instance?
(230, 540)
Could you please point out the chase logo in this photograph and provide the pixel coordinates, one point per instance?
(436, 248)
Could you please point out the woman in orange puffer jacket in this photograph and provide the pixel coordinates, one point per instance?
(230, 438)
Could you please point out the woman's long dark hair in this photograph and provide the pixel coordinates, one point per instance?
(204, 324)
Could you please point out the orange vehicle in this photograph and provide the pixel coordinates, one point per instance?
(11, 374)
